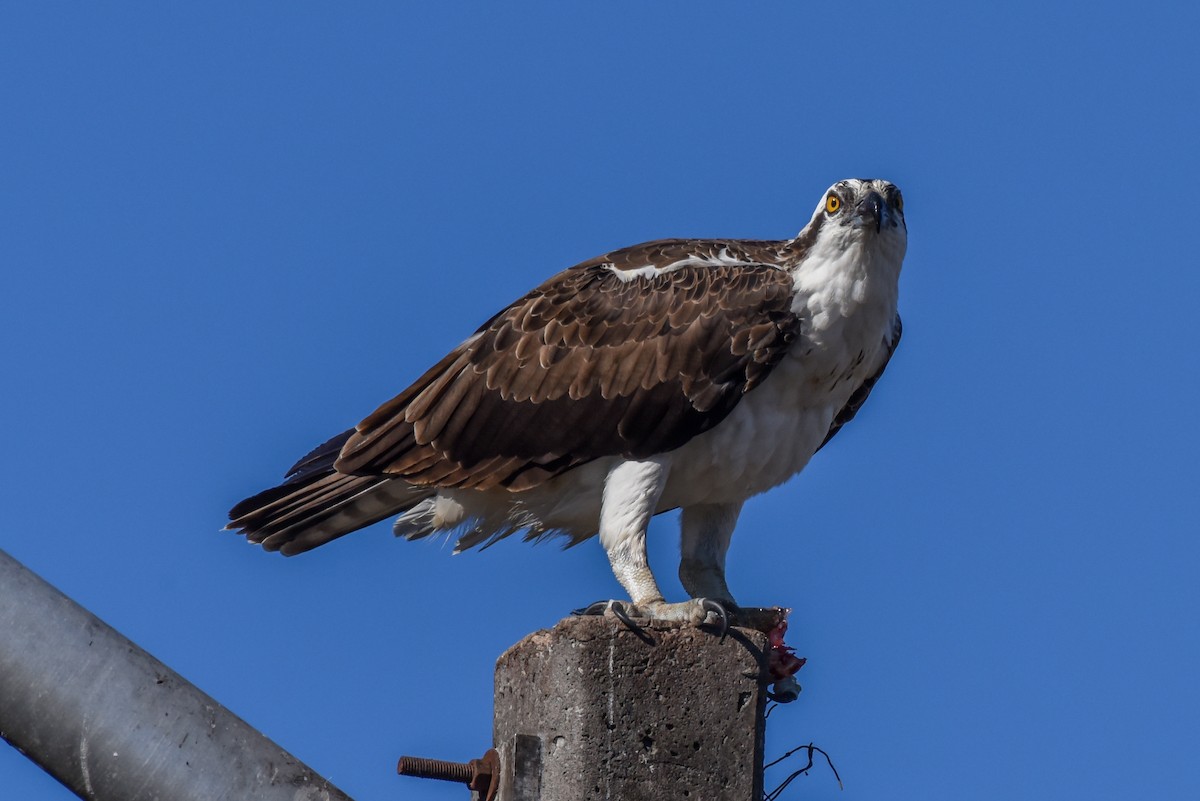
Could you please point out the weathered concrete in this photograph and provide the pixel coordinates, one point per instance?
(591, 710)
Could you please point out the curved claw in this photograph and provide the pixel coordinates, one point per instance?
(709, 605)
(681, 612)
(601, 608)
(622, 615)
(619, 609)
(597, 608)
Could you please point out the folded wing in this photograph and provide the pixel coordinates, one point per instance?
(597, 361)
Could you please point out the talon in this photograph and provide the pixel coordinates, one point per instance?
(694, 612)
(597, 608)
(618, 609)
(709, 605)
(622, 611)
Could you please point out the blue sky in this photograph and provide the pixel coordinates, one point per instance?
(231, 231)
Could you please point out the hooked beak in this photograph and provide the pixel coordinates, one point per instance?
(871, 212)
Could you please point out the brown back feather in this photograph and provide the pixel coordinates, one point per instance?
(589, 364)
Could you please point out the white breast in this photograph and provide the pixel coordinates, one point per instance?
(848, 303)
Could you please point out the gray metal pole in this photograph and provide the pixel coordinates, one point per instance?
(113, 723)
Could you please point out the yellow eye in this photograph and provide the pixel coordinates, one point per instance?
(832, 204)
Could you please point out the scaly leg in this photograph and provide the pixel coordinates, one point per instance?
(705, 531)
(631, 494)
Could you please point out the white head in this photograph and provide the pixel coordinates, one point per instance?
(865, 213)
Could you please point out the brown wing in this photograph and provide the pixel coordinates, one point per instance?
(591, 363)
(859, 396)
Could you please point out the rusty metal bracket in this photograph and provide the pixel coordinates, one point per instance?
(481, 775)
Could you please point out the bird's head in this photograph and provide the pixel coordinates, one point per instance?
(864, 212)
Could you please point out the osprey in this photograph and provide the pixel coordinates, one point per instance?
(676, 374)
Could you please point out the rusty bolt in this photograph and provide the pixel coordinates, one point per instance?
(481, 775)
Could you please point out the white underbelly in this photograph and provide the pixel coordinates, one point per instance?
(766, 439)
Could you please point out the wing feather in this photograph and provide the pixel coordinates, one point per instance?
(592, 363)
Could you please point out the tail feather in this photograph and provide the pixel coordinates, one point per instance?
(321, 458)
(316, 504)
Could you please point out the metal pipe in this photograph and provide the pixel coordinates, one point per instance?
(112, 723)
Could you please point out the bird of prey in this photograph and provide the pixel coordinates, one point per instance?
(682, 374)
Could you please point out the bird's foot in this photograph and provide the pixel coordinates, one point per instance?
(697, 612)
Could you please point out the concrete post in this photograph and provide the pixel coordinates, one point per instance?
(591, 710)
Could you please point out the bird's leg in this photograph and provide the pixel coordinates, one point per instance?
(705, 531)
(631, 494)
